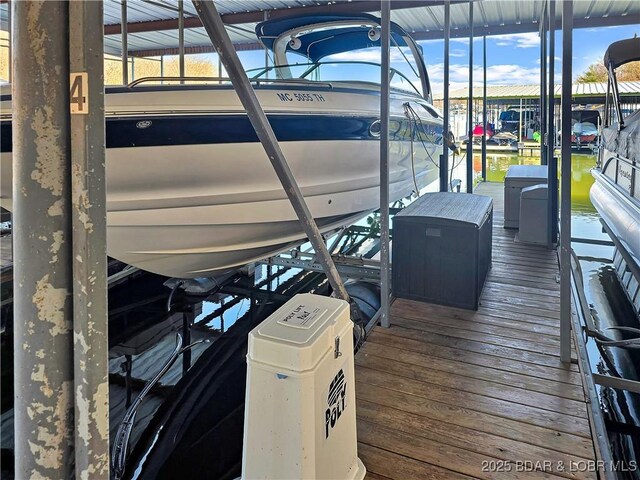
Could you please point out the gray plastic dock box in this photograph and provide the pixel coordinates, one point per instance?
(441, 249)
(533, 214)
(517, 178)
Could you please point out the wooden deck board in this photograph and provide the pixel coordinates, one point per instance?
(444, 391)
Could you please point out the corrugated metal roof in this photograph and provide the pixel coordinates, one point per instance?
(533, 91)
(490, 17)
(193, 37)
(502, 13)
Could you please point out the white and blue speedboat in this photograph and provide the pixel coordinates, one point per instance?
(190, 190)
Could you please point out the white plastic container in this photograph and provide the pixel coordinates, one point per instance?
(517, 178)
(300, 411)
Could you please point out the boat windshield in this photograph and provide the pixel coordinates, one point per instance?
(334, 71)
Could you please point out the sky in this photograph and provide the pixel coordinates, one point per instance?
(511, 59)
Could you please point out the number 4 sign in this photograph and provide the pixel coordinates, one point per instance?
(79, 100)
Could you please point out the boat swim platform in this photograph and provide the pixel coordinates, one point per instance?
(446, 393)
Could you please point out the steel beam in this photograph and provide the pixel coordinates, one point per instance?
(385, 277)
(89, 246)
(350, 269)
(9, 43)
(220, 38)
(431, 35)
(552, 160)
(181, 38)
(543, 85)
(444, 159)
(565, 200)
(257, 15)
(592, 22)
(470, 106)
(484, 108)
(125, 44)
(43, 333)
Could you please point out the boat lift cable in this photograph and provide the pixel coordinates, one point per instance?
(414, 118)
(455, 165)
(414, 122)
(121, 441)
(413, 160)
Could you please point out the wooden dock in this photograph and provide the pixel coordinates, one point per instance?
(447, 393)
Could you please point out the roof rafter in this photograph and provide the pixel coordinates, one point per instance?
(258, 16)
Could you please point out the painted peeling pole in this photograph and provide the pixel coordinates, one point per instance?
(43, 334)
(89, 222)
(60, 326)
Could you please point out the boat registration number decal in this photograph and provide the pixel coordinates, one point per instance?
(300, 97)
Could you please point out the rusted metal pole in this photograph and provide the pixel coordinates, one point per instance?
(43, 333)
(89, 246)
(227, 54)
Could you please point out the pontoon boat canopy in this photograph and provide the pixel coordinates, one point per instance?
(621, 52)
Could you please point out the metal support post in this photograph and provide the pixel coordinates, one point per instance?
(181, 72)
(265, 17)
(444, 158)
(543, 85)
(565, 201)
(89, 247)
(552, 160)
(385, 45)
(520, 123)
(470, 106)
(43, 333)
(484, 108)
(10, 43)
(125, 45)
(215, 28)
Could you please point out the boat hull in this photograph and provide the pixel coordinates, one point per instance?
(194, 199)
(618, 203)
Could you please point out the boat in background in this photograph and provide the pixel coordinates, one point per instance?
(616, 191)
(190, 190)
(585, 128)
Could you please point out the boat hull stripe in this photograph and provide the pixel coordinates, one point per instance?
(153, 131)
